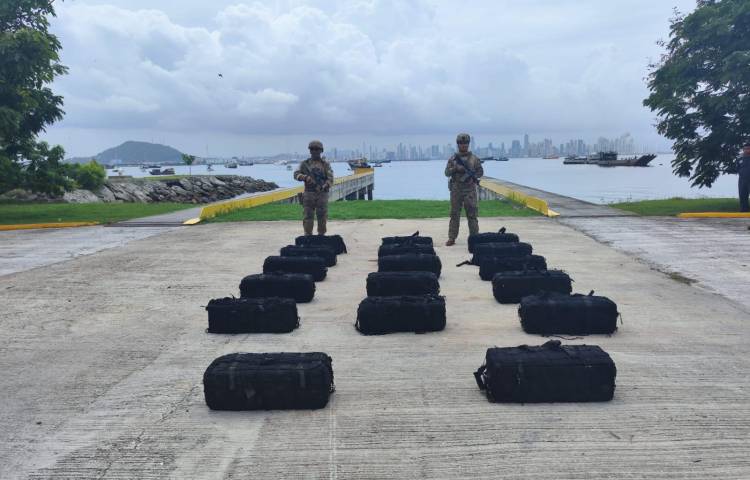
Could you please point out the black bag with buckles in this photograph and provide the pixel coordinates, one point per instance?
(389, 284)
(493, 237)
(414, 239)
(518, 249)
(333, 241)
(547, 373)
(489, 266)
(269, 381)
(404, 248)
(408, 313)
(550, 313)
(299, 286)
(326, 253)
(252, 315)
(511, 287)
(314, 266)
(410, 262)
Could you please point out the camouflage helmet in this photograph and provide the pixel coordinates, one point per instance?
(463, 138)
(315, 144)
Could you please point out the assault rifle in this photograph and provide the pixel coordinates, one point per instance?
(471, 173)
(319, 178)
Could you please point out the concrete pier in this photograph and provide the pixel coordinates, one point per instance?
(102, 358)
(548, 203)
(351, 187)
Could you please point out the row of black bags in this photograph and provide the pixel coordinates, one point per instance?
(268, 301)
(268, 304)
(546, 304)
(525, 374)
(404, 294)
(550, 372)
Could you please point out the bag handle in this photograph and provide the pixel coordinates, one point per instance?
(479, 377)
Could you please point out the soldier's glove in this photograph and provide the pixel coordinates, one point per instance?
(309, 180)
(460, 169)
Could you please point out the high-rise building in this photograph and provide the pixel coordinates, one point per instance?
(515, 148)
(526, 150)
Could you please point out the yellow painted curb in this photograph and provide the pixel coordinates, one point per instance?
(529, 201)
(264, 198)
(31, 226)
(714, 215)
(192, 221)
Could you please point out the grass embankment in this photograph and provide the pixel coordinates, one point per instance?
(376, 209)
(674, 206)
(25, 213)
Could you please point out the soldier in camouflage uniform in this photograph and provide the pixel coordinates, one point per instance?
(317, 174)
(464, 170)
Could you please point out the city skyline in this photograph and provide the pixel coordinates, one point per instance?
(624, 144)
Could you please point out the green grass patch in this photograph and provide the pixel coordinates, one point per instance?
(674, 206)
(376, 209)
(20, 213)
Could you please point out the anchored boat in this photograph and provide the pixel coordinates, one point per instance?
(609, 159)
(358, 163)
(579, 160)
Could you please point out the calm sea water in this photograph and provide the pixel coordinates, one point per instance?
(425, 180)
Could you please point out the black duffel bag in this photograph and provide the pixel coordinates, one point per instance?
(518, 249)
(333, 241)
(548, 373)
(326, 253)
(252, 315)
(410, 262)
(268, 381)
(408, 313)
(413, 239)
(404, 248)
(314, 266)
(499, 237)
(489, 266)
(299, 286)
(556, 313)
(388, 284)
(511, 287)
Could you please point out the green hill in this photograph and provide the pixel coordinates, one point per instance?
(136, 153)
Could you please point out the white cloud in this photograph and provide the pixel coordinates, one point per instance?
(361, 66)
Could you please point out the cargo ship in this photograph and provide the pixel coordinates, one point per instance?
(609, 159)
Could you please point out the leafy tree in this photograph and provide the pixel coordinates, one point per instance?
(700, 88)
(189, 160)
(29, 61)
(89, 176)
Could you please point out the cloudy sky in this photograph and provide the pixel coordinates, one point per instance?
(255, 78)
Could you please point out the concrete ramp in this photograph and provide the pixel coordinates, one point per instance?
(103, 356)
(562, 205)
